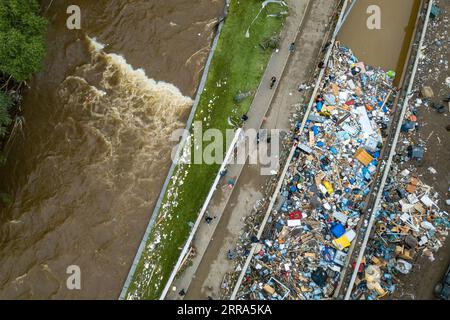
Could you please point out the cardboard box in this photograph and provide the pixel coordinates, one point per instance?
(411, 188)
(363, 156)
(269, 289)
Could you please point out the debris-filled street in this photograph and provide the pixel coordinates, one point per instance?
(305, 246)
(408, 252)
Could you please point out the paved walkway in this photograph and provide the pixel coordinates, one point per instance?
(212, 241)
(250, 186)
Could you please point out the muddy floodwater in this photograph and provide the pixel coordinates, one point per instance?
(388, 46)
(86, 169)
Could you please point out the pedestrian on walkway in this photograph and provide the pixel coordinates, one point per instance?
(273, 80)
(292, 47)
(327, 45)
(182, 293)
(223, 173)
(244, 118)
(208, 219)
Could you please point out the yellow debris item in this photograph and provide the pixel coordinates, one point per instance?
(328, 186)
(363, 156)
(379, 290)
(341, 243)
(326, 114)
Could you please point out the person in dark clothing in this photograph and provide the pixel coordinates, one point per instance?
(182, 293)
(208, 219)
(327, 45)
(292, 47)
(272, 82)
(244, 118)
(223, 173)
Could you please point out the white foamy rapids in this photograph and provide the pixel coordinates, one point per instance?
(95, 45)
(122, 122)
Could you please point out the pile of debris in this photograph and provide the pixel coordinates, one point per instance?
(409, 223)
(307, 239)
(412, 222)
(304, 247)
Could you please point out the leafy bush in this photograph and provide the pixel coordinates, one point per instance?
(22, 45)
(5, 119)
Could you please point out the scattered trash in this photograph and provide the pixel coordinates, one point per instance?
(435, 11)
(412, 222)
(270, 43)
(427, 93)
(432, 170)
(309, 235)
(306, 242)
(241, 96)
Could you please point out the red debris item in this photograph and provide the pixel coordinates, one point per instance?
(295, 215)
(413, 118)
(361, 266)
(350, 103)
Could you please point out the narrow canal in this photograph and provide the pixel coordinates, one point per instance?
(388, 46)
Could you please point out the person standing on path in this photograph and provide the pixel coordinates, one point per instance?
(273, 80)
(292, 47)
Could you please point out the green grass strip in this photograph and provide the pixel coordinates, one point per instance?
(237, 66)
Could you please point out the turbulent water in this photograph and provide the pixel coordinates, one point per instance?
(85, 171)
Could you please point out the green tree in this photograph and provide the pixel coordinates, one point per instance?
(5, 118)
(22, 32)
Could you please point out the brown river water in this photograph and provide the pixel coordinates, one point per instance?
(89, 164)
(87, 168)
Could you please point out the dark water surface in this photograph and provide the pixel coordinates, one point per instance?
(86, 170)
